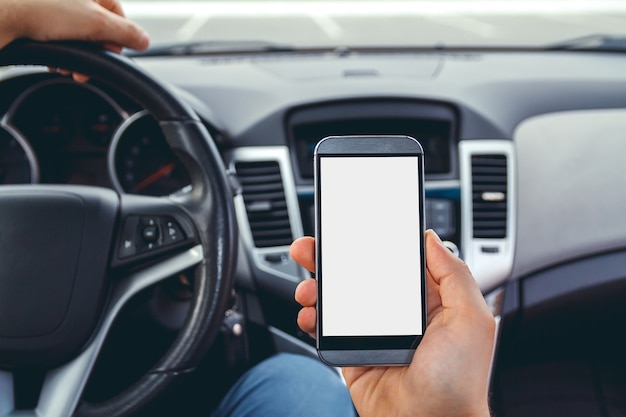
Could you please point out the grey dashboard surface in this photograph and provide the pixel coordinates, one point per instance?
(571, 187)
(493, 91)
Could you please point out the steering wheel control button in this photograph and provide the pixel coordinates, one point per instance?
(172, 232)
(150, 234)
(128, 246)
(145, 234)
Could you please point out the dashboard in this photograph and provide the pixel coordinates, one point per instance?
(273, 108)
(523, 149)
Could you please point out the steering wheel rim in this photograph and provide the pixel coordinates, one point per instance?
(209, 205)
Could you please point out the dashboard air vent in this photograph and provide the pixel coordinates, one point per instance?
(264, 197)
(489, 196)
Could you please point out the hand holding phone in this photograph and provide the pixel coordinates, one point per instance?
(369, 254)
(449, 374)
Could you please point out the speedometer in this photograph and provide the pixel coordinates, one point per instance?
(17, 161)
(141, 162)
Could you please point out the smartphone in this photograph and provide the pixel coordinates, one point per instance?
(369, 224)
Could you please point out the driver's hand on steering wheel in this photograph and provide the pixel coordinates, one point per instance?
(450, 369)
(99, 21)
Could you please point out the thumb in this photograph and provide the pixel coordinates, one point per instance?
(457, 287)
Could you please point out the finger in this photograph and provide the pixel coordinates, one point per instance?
(457, 286)
(108, 26)
(80, 78)
(306, 293)
(302, 251)
(113, 47)
(307, 320)
(440, 262)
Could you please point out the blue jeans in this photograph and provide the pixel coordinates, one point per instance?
(287, 385)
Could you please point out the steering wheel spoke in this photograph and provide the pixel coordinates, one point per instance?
(63, 386)
(68, 380)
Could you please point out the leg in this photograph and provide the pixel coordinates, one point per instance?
(287, 385)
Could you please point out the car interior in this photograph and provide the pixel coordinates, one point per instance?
(146, 215)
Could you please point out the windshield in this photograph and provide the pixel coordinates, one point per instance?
(369, 23)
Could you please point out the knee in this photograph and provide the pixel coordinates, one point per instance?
(292, 369)
(305, 386)
(291, 386)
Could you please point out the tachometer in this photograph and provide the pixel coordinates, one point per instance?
(17, 161)
(69, 127)
(141, 162)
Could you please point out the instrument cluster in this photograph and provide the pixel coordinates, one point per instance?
(57, 131)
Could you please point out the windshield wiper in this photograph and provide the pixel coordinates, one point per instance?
(596, 42)
(211, 47)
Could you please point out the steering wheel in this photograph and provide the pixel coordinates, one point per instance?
(72, 256)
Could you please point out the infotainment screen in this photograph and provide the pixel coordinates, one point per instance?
(433, 135)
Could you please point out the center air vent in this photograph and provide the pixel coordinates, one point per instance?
(264, 197)
(489, 196)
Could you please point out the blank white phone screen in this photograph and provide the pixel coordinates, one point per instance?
(370, 246)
